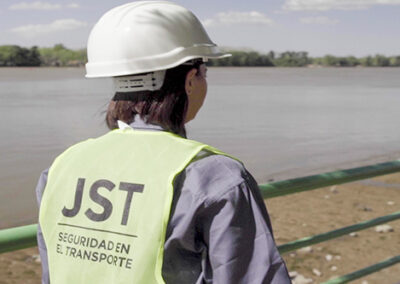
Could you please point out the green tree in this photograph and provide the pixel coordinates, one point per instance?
(366, 61)
(329, 60)
(242, 58)
(380, 60)
(59, 55)
(13, 55)
(294, 59)
(271, 55)
(395, 61)
(34, 57)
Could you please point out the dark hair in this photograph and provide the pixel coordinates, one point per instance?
(166, 107)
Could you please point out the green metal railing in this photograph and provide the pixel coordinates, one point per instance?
(336, 233)
(296, 185)
(365, 271)
(18, 238)
(25, 236)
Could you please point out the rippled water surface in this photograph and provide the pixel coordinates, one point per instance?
(281, 122)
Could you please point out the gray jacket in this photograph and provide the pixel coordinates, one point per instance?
(219, 229)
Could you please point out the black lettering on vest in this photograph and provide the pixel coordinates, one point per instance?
(104, 202)
(78, 200)
(130, 188)
(59, 249)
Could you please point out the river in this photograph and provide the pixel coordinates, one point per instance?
(281, 122)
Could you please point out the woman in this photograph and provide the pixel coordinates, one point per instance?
(143, 204)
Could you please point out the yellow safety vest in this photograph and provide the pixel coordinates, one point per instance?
(106, 206)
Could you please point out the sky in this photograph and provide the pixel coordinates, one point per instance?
(319, 27)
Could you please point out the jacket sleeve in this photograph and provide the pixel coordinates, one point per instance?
(41, 244)
(240, 240)
(219, 219)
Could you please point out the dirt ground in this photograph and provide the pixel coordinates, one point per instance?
(300, 215)
(309, 213)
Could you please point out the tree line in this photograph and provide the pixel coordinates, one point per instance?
(301, 59)
(59, 55)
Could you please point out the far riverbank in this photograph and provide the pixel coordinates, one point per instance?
(59, 55)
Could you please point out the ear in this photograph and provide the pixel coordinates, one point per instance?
(189, 81)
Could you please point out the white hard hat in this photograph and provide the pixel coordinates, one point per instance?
(146, 36)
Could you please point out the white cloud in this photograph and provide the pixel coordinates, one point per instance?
(39, 5)
(324, 5)
(31, 31)
(73, 5)
(321, 20)
(232, 18)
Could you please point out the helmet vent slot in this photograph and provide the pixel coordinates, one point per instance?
(141, 82)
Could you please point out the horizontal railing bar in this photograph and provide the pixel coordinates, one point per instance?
(280, 188)
(25, 236)
(365, 271)
(18, 238)
(336, 233)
